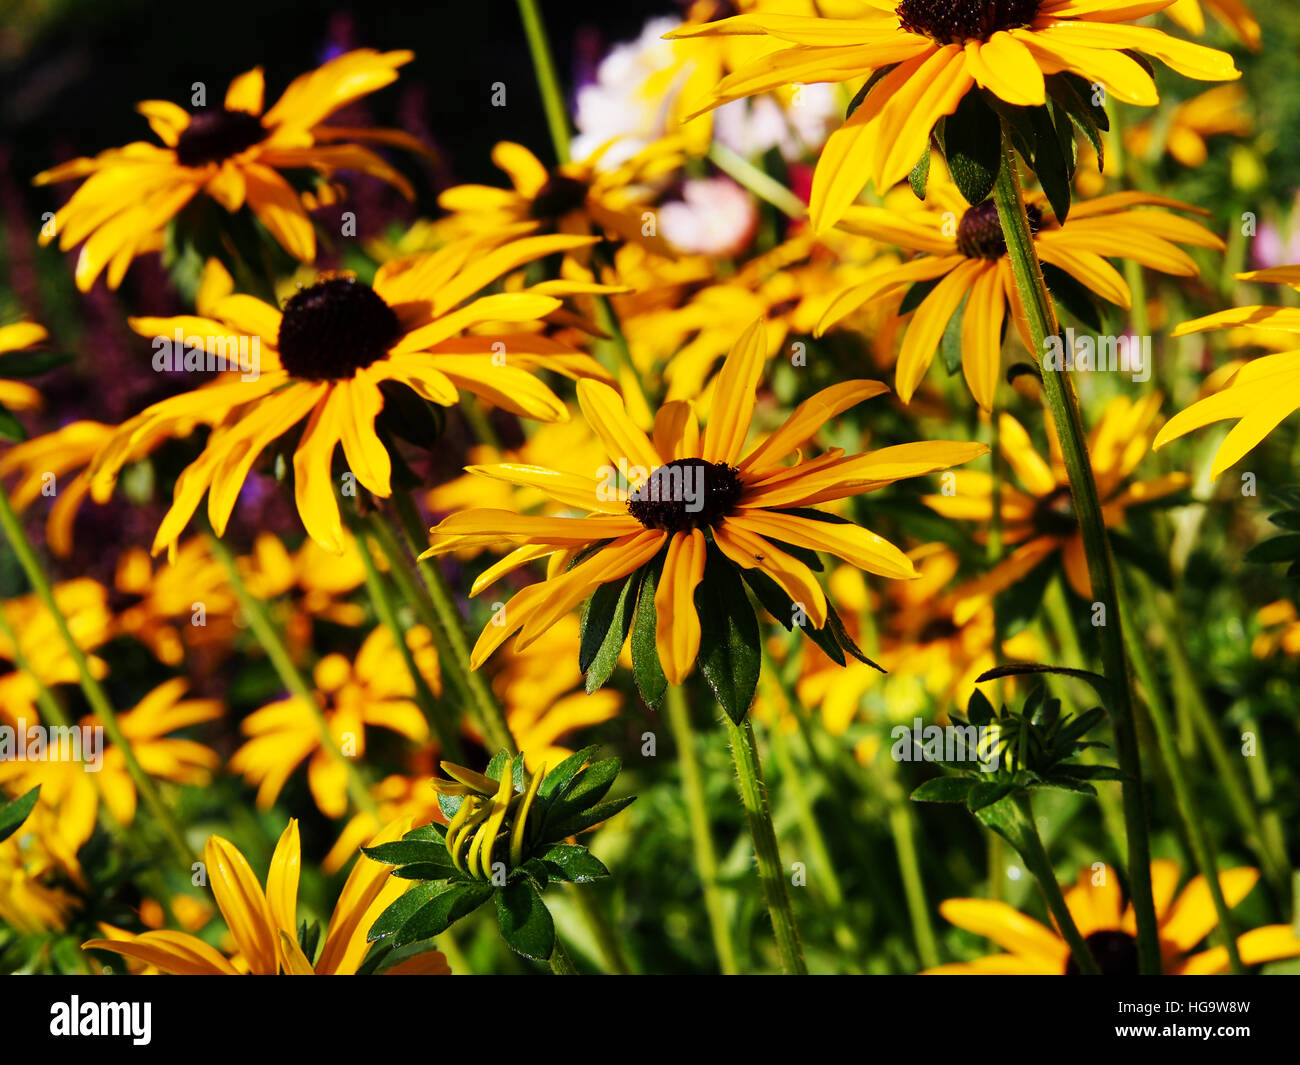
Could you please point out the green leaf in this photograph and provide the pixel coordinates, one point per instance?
(557, 779)
(1050, 164)
(587, 789)
(730, 652)
(950, 343)
(920, 175)
(1278, 549)
(426, 915)
(402, 909)
(944, 789)
(646, 669)
(1075, 297)
(867, 86)
(972, 144)
(842, 637)
(577, 864)
(606, 621)
(588, 818)
(1073, 94)
(525, 922)
(915, 295)
(408, 852)
(979, 710)
(13, 814)
(986, 793)
(10, 427)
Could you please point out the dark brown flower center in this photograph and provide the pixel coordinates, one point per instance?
(958, 21)
(215, 134)
(1115, 953)
(335, 328)
(559, 196)
(979, 233)
(686, 494)
(1054, 513)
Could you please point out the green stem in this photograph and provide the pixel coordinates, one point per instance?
(762, 185)
(753, 795)
(94, 692)
(601, 930)
(1064, 407)
(697, 810)
(435, 711)
(448, 627)
(552, 98)
(903, 828)
(1034, 854)
(1184, 797)
(561, 963)
(254, 611)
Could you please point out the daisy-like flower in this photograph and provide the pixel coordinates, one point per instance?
(19, 336)
(323, 360)
(577, 198)
(373, 690)
(264, 923)
(962, 255)
(697, 500)
(1260, 394)
(1184, 919)
(928, 54)
(1038, 512)
(233, 153)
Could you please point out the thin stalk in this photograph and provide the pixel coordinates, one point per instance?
(448, 627)
(254, 611)
(697, 810)
(762, 185)
(435, 711)
(1064, 407)
(1035, 857)
(601, 930)
(561, 963)
(1185, 801)
(557, 120)
(902, 827)
(753, 795)
(94, 692)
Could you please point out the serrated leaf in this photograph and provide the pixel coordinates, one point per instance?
(730, 652)
(576, 864)
(646, 668)
(944, 789)
(525, 922)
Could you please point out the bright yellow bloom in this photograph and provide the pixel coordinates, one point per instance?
(83, 602)
(323, 360)
(930, 54)
(1038, 513)
(264, 923)
(962, 249)
(375, 690)
(1110, 929)
(748, 507)
(1220, 111)
(19, 336)
(234, 154)
(1279, 630)
(27, 903)
(1260, 394)
(577, 198)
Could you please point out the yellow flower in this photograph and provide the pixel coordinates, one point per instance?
(1217, 112)
(964, 255)
(1260, 394)
(1279, 630)
(1232, 13)
(19, 336)
(264, 923)
(576, 198)
(376, 690)
(1110, 931)
(323, 360)
(930, 53)
(1038, 515)
(27, 903)
(234, 154)
(74, 788)
(83, 602)
(749, 505)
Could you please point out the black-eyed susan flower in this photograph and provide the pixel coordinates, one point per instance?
(1109, 928)
(375, 690)
(325, 358)
(1262, 393)
(577, 198)
(926, 55)
(674, 521)
(963, 270)
(234, 153)
(264, 926)
(1038, 512)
